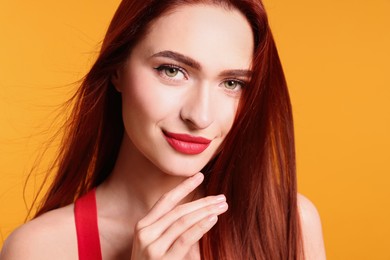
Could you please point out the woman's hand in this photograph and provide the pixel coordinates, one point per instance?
(169, 230)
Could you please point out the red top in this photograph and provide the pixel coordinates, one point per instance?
(85, 214)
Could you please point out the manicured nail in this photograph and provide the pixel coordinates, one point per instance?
(213, 218)
(222, 205)
(220, 198)
(198, 176)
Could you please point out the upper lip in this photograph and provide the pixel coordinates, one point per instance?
(187, 138)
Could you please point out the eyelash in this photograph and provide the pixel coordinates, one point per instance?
(160, 69)
(242, 84)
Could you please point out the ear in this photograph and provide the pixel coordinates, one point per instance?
(116, 80)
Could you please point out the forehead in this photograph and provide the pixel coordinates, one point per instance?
(215, 36)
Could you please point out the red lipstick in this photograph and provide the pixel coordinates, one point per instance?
(185, 143)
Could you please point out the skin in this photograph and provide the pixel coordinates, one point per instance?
(152, 206)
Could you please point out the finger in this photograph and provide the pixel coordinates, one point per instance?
(202, 207)
(183, 244)
(183, 224)
(170, 199)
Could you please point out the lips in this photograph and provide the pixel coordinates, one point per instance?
(186, 144)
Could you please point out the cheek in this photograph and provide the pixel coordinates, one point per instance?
(226, 113)
(145, 98)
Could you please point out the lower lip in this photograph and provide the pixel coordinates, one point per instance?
(186, 147)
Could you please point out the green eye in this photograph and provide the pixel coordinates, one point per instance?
(171, 72)
(231, 84)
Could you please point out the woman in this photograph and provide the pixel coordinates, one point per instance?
(180, 87)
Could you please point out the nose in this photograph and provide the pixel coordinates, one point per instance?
(197, 108)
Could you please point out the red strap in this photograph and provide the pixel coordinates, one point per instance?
(87, 227)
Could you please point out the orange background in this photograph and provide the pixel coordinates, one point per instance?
(336, 56)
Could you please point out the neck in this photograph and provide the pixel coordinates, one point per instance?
(134, 185)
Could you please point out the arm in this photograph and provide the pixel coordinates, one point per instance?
(313, 242)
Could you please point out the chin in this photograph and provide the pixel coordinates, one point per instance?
(183, 168)
(186, 167)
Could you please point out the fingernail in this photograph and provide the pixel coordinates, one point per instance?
(213, 218)
(222, 205)
(198, 176)
(220, 198)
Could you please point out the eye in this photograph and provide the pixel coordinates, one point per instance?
(171, 72)
(233, 85)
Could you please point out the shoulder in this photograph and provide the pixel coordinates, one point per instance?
(49, 236)
(311, 229)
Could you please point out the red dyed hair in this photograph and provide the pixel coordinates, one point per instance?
(255, 168)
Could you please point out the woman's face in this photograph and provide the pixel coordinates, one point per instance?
(181, 86)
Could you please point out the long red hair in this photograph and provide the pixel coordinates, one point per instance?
(255, 168)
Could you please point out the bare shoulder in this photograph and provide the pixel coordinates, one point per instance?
(50, 236)
(311, 229)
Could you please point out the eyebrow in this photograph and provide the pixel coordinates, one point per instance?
(236, 73)
(196, 65)
(179, 57)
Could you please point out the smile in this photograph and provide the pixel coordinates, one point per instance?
(186, 144)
